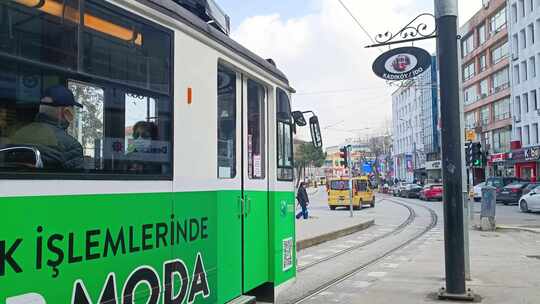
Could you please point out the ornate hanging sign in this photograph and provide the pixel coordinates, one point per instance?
(402, 63)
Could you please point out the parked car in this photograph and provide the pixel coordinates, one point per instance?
(511, 194)
(529, 187)
(396, 189)
(431, 192)
(530, 201)
(499, 182)
(478, 191)
(410, 191)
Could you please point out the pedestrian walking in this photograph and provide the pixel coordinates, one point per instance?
(303, 201)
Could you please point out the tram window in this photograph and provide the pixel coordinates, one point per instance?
(226, 123)
(45, 33)
(284, 137)
(124, 128)
(256, 97)
(118, 47)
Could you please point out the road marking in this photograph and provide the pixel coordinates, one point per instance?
(330, 250)
(342, 246)
(377, 274)
(389, 265)
(361, 284)
(307, 256)
(326, 293)
(353, 242)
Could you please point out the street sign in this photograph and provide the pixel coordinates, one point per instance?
(470, 135)
(402, 63)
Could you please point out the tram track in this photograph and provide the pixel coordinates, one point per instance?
(357, 269)
(398, 229)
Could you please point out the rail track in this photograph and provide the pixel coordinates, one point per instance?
(357, 269)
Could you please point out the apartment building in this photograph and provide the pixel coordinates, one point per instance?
(485, 68)
(524, 30)
(414, 128)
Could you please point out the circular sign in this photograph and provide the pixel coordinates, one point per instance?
(402, 63)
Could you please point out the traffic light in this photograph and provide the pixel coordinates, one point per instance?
(343, 154)
(468, 154)
(477, 155)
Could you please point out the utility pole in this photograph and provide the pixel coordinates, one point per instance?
(446, 12)
(349, 160)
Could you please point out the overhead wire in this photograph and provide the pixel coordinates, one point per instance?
(359, 24)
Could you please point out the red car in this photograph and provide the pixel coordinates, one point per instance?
(431, 192)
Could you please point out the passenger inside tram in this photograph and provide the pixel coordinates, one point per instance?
(48, 132)
(145, 133)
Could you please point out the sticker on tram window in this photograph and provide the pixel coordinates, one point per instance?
(141, 150)
(287, 253)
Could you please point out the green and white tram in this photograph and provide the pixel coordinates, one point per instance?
(181, 190)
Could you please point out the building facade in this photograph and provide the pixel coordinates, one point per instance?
(524, 33)
(485, 66)
(415, 128)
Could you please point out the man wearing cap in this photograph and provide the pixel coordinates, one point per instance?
(48, 132)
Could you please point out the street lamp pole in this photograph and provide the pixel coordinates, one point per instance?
(446, 13)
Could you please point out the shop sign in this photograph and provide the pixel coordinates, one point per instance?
(433, 165)
(402, 63)
(526, 154)
(498, 157)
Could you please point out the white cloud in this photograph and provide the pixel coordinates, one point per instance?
(324, 51)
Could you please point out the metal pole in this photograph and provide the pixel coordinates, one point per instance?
(446, 12)
(349, 160)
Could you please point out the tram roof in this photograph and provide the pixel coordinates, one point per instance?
(175, 11)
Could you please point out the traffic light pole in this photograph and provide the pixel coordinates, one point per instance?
(446, 12)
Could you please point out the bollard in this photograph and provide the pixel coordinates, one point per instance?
(487, 213)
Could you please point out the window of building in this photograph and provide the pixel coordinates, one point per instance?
(533, 99)
(501, 140)
(500, 80)
(483, 62)
(530, 34)
(481, 34)
(524, 71)
(484, 88)
(501, 109)
(470, 95)
(515, 46)
(525, 103)
(532, 66)
(226, 122)
(467, 45)
(256, 105)
(468, 71)
(517, 108)
(522, 39)
(284, 137)
(526, 136)
(517, 74)
(120, 77)
(531, 5)
(521, 8)
(519, 134)
(498, 20)
(484, 115)
(499, 53)
(514, 13)
(534, 133)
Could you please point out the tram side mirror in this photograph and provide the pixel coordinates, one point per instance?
(315, 128)
(299, 118)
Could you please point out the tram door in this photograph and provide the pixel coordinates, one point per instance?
(254, 185)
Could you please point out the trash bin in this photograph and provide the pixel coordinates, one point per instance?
(487, 212)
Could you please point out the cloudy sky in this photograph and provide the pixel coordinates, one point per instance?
(321, 49)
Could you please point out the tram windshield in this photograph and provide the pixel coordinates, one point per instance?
(89, 98)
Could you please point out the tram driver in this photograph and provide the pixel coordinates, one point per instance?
(48, 133)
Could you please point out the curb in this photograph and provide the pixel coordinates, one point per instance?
(303, 244)
(516, 228)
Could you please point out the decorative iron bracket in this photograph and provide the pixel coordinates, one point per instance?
(422, 27)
